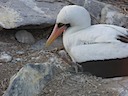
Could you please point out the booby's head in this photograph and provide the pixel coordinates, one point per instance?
(69, 16)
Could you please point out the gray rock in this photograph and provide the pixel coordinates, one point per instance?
(42, 13)
(30, 80)
(111, 15)
(105, 13)
(4, 1)
(50, 1)
(16, 13)
(24, 37)
(94, 7)
(77, 2)
(4, 57)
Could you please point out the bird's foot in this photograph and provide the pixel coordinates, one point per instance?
(77, 68)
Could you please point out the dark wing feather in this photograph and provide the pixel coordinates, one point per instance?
(123, 38)
(107, 68)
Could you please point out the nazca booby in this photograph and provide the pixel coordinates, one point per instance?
(85, 42)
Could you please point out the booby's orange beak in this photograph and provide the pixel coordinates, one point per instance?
(55, 33)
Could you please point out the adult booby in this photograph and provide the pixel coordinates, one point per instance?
(87, 43)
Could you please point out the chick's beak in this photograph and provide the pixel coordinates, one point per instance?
(55, 33)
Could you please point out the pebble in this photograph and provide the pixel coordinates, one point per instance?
(19, 59)
(20, 52)
(4, 57)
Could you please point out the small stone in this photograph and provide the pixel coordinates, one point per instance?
(4, 57)
(24, 37)
(19, 59)
(20, 52)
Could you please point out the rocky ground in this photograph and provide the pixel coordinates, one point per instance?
(20, 53)
(64, 83)
(15, 52)
(122, 4)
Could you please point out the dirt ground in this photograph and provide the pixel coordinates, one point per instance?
(64, 84)
(67, 84)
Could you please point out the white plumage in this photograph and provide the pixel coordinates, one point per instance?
(84, 42)
(97, 42)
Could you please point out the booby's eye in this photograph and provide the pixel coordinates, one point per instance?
(60, 25)
(68, 25)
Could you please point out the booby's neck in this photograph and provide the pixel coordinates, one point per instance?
(74, 29)
(67, 40)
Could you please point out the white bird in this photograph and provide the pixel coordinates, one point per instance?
(85, 42)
